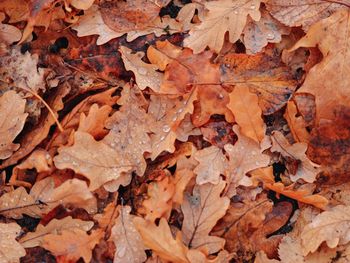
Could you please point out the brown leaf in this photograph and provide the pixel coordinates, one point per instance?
(212, 163)
(201, 212)
(94, 159)
(8, 33)
(161, 241)
(296, 123)
(306, 170)
(263, 74)
(301, 12)
(13, 119)
(128, 242)
(245, 108)
(332, 38)
(220, 18)
(10, 249)
(36, 238)
(71, 246)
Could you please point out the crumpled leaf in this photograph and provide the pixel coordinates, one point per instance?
(262, 74)
(70, 246)
(145, 74)
(301, 12)
(13, 118)
(331, 35)
(222, 16)
(331, 226)
(128, 242)
(10, 249)
(248, 114)
(307, 170)
(55, 226)
(201, 212)
(212, 163)
(257, 34)
(94, 159)
(160, 240)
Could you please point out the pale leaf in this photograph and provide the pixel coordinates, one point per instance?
(201, 212)
(128, 242)
(93, 159)
(8, 33)
(10, 249)
(212, 163)
(221, 17)
(55, 226)
(12, 121)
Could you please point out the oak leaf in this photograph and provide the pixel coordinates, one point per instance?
(201, 212)
(221, 17)
(94, 159)
(212, 163)
(248, 115)
(307, 170)
(296, 123)
(160, 240)
(70, 246)
(263, 74)
(128, 242)
(146, 75)
(10, 249)
(301, 12)
(331, 226)
(8, 33)
(13, 119)
(55, 226)
(332, 37)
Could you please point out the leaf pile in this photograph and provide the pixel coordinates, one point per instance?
(174, 131)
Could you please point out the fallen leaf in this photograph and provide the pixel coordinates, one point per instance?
(221, 17)
(201, 212)
(296, 123)
(146, 75)
(307, 170)
(13, 118)
(71, 246)
(161, 241)
(212, 163)
(10, 249)
(332, 38)
(8, 33)
(330, 226)
(262, 74)
(128, 242)
(248, 115)
(55, 226)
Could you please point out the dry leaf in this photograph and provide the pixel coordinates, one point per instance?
(71, 246)
(201, 212)
(332, 38)
(245, 108)
(331, 226)
(307, 170)
(13, 119)
(161, 241)
(212, 163)
(296, 123)
(8, 33)
(221, 17)
(10, 249)
(93, 159)
(146, 75)
(128, 242)
(55, 226)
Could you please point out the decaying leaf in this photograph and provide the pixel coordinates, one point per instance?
(201, 212)
(8, 33)
(13, 119)
(10, 249)
(128, 242)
